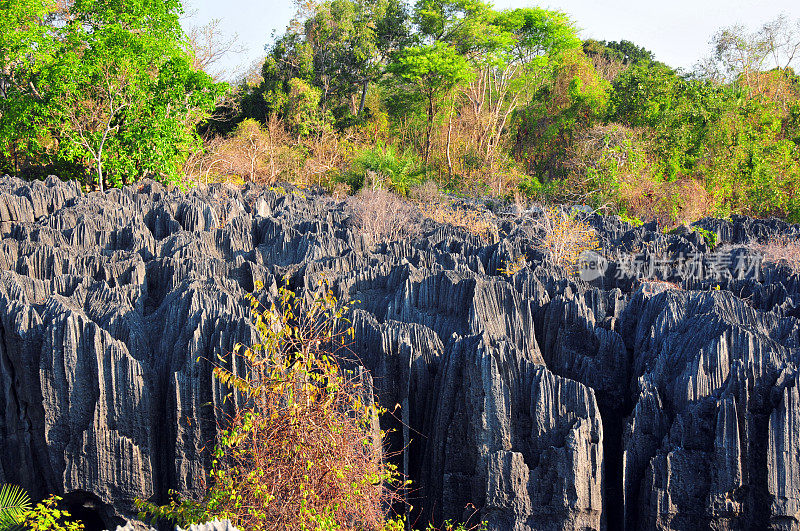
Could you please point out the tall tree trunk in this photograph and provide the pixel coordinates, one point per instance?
(449, 131)
(428, 130)
(363, 97)
(100, 173)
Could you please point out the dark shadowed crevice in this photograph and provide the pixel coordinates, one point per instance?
(613, 426)
(91, 511)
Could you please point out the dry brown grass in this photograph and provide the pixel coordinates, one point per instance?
(782, 250)
(473, 220)
(381, 215)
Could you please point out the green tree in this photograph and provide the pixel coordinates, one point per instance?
(302, 108)
(679, 112)
(27, 47)
(571, 101)
(642, 95)
(623, 51)
(429, 72)
(111, 84)
(520, 52)
(340, 47)
(460, 23)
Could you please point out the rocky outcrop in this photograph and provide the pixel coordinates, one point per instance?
(711, 363)
(215, 525)
(653, 395)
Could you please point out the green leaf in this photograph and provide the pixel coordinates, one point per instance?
(14, 502)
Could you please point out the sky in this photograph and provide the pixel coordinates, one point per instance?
(677, 31)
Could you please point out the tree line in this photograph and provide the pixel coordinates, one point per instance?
(508, 103)
(102, 88)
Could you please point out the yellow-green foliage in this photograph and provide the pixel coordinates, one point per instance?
(564, 238)
(473, 220)
(47, 517)
(302, 450)
(710, 237)
(513, 266)
(16, 513)
(401, 524)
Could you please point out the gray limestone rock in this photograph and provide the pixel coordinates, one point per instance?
(536, 401)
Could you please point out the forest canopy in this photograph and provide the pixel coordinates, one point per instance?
(99, 87)
(507, 103)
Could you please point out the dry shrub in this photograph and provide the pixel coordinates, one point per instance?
(774, 85)
(302, 449)
(607, 67)
(479, 166)
(563, 237)
(326, 156)
(426, 192)
(610, 169)
(382, 215)
(338, 190)
(692, 200)
(473, 220)
(614, 143)
(252, 152)
(603, 161)
(205, 166)
(661, 284)
(512, 266)
(267, 153)
(782, 250)
(671, 204)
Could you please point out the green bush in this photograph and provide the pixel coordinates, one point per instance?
(400, 171)
(710, 237)
(16, 513)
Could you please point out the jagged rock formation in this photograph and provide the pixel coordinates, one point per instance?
(537, 401)
(214, 525)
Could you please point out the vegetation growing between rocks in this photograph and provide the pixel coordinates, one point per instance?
(563, 237)
(301, 449)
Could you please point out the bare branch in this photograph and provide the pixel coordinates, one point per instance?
(209, 45)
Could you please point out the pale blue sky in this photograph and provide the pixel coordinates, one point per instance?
(676, 31)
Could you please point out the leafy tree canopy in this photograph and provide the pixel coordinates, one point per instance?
(106, 84)
(625, 52)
